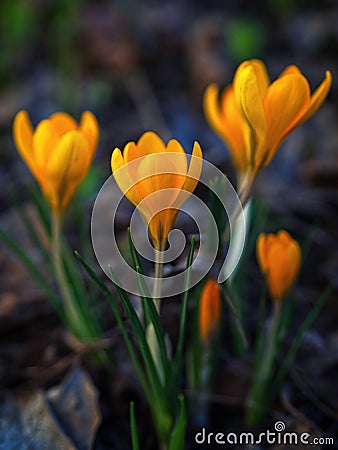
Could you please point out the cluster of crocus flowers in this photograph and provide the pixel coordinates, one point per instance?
(58, 152)
(279, 258)
(210, 308)
(157, 179)
(253, 115)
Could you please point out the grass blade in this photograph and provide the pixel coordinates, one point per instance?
(41, 208)
(32, 232)
(33, 270)
(291, 354)
(136, 263)
(178, 434)
(184, 308)
(141, 339)
(120, 323)
(149, 310)
(133, 428)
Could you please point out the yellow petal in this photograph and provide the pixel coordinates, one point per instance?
(152, 177)
(248, 97)
(160, 225)
(261, 252)
(294, 258)
(66, 167)
(194, 173)
(279, 257)
(158, 173)
(148, 143)
(212, 109)
(284, 271)
(278, 272)
(263, 79)
(284, 237)
(123, 176)
(45, 140)
(290, 70)
(236, 129)
(116, 160)
(209, 309)
(318, 97)
(62, 123)
(23, 138)
(90, 128)
(130, 152)
(226, 120)
(286, 100)
(174, 146)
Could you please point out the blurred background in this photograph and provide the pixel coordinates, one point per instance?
(144, 65)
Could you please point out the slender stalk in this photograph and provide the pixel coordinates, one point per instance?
(71, 314)
(158, 278)
(272, 343)
(184, 309)
(244, 192)
(151, 334)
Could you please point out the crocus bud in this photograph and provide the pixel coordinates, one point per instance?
(157, 179)
(209, 309)
(279, 258)
(58, 152)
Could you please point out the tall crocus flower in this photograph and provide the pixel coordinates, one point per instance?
(58, 152)
(279, 258)
(253, 115)
(156, 178)
(209, 309)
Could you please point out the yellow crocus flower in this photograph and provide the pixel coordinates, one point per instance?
(209, 309)
(156, 178)
(58, 152)
(279, 258)
(253, 115)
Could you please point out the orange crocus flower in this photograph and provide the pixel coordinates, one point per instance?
(279, 258)
(253, 115)
(209, 309)
(58, 152)
(156, 178)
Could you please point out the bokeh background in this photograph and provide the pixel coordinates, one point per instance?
(143, 65)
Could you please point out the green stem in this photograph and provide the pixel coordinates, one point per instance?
(158, 279)
(246, 188)
(244, 193)
(272, 343)
(71, 314)
(184, 309)
(152, 340)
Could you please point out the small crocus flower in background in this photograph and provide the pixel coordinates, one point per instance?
(279, 258)
(253, 115)
(209, 310)
(58, 152)
(156, 178)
